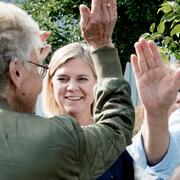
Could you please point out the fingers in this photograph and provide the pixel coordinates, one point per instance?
(141, 58)
(109, 10)
(113, 10)
(148, 55)
(44, 52)
(105, 9)
(156, 54)
(135, 66)
(176, 79)
(106, 17)
(44, 35)
(96, 5)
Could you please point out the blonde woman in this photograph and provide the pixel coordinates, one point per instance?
(68, 85)
(68, 89)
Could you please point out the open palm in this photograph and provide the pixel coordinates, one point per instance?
(157, 85)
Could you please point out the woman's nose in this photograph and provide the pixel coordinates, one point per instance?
(72, 85)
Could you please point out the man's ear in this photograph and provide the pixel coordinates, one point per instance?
(15, 72)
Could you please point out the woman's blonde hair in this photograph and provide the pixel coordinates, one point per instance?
(60, 57)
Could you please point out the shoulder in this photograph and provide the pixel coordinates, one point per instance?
(61, 127)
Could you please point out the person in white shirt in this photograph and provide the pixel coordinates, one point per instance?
(156, 147)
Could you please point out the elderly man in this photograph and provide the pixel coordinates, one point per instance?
(34, 148)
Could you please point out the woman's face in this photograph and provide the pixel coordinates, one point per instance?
(73, 84)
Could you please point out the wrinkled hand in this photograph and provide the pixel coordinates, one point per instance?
(157, 86)
(98, 23)
(46, 48)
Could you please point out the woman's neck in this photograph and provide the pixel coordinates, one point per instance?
(83, 119)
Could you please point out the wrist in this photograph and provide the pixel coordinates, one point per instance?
(95, 46)
(156, 120)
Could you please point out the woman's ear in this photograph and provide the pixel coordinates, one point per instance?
(15, 72)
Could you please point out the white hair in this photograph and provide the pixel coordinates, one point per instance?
(19, 34)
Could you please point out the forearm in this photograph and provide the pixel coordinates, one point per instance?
(107, 63)
(155, 136)
(113, 98)
(114, 112)
(112, 132)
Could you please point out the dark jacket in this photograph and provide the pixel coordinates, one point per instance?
(122, 169)
(36, 148)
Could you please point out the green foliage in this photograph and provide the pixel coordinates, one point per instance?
(64, 28)
(167, 32)
(134, 19)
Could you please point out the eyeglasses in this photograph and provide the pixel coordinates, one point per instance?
(42, 68)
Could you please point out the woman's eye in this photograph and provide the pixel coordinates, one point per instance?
(62, 79)
(83, 79)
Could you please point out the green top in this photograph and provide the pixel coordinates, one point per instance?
(36, 148)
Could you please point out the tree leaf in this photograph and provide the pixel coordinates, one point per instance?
(152, 27)
(164, 54)
(165, 7)
(145, 35)
(166, 41)
(161, 27)
(175, 30)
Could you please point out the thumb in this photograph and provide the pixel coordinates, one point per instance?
(44, 35)
(85, 14)
(176, 79)
(44, 52)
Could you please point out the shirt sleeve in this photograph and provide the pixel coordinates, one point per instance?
(164, 169)
(114, 116)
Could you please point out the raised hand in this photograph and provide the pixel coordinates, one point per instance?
(157, 85)
(46, 47)
(98, 23)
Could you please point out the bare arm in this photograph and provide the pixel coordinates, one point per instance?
(157, 87)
